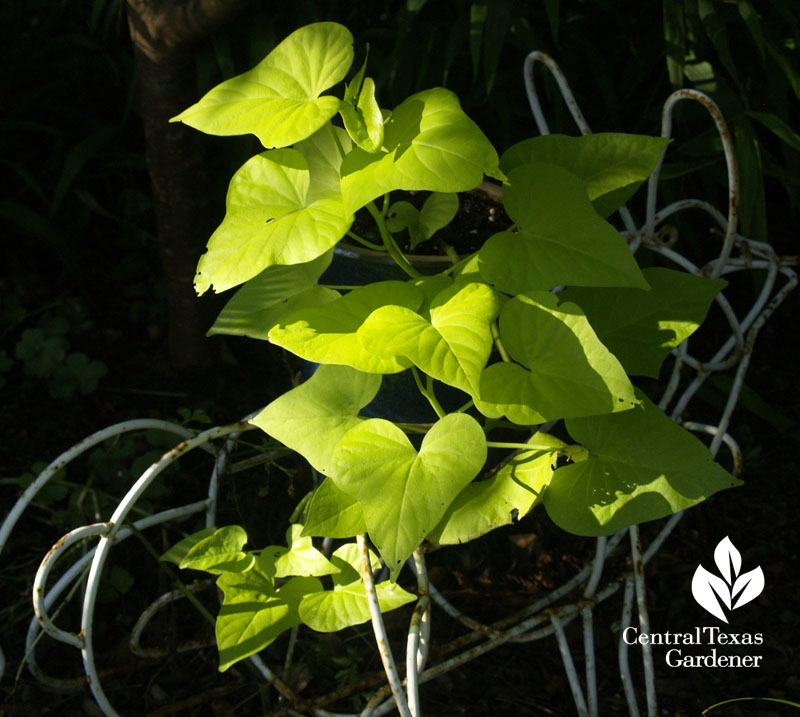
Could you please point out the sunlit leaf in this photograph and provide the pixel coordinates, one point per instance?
(641, 466)
(279, 99)
(219, 552)
(275, 214)
(611, 165)
(452, 347)
(268, 298)
(561, 238)
(642, 327)
(502, 499)
(404, 494)
(327, 334)
(562, 369)
(333, 513)
(313, 417)
(429, 143)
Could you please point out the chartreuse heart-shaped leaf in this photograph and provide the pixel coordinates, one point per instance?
(611, 165)
(301, 558)
(177, 552)
(561, 239)
(333, 513)
(274, 215)
(252, 616)
(279, 99)
(404, 494)
(642, 327)
(327, 334)
(364, 121)
(502, 499)
(274, 294)
(641, 466)
(347, 558)
(452, 347)
(312, 418)
(565, 371)
(429, 144)
(220, 552)
(346, 604)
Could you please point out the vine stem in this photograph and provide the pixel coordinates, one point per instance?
(365, 242)
(498, 341)
(520, 446)
(390, 244)
(427, 391)
(379, 629)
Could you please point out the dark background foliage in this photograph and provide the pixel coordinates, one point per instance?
(88, 322)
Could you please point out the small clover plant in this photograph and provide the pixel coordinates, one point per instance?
(489, 326)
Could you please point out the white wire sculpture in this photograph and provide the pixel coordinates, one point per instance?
(576, 599)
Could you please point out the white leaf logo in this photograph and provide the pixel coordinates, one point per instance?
(733, 589)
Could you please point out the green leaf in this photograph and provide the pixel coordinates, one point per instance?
(312, 418)
(502, 499)
(279, 99)
(301, 558)
(177, 552)
(250, 619)
(347, 605)
(327, 334)
(452, 347)
(364, 122)
(565, 371)
(275, 214)
(561, 238)
(437, 212)
(641, 466)
(642, 327)
(404, 494)
(347, 558)
(275, 293)
(404, 215)
(333, 513)
(219, 552)
(323, 152)
(429, 144)
(611, 165)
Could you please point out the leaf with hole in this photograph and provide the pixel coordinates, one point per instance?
(503, 498)
(274, 215)
(641, 466)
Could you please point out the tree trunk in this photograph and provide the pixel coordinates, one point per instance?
(162, 34)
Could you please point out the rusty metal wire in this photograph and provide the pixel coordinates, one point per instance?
(736, 351)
